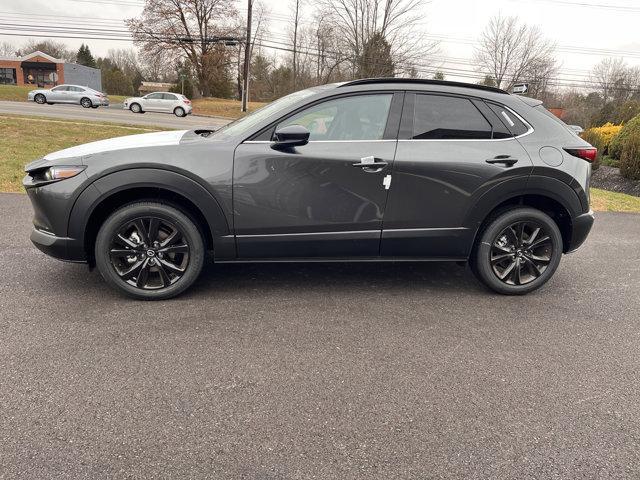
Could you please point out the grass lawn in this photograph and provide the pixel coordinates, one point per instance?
(222, 107)
(25, 139)
(605, 201)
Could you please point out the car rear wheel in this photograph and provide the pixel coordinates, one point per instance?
(135, 108)
(518, 252)
(95, 106)
(149, 251)
(179, 112)
(40, 99)
(86, 102)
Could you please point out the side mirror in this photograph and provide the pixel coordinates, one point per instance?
(291, 136)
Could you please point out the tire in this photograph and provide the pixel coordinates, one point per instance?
(86, 102)
(95, 106)
(517, 252)
(135, 108)
(153, 271)
(179, 112)
(40, 99)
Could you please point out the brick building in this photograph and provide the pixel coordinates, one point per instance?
(42, 70)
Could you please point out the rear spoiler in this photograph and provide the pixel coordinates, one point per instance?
(532, 102)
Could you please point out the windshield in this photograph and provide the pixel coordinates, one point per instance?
(244, 124)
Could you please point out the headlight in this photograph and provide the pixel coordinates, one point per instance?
(62, 172)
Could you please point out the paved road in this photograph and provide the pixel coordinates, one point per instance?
(112, 114)
(321, 371)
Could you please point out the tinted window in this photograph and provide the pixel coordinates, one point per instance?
(513, 123)
(361, 117)
(154, 96)
(441, 117)
(169, 96)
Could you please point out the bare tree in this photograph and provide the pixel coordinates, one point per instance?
(188, 29)
(612, 78)
(510, 51)
(7, 49)
(50, 47)
(396, 21)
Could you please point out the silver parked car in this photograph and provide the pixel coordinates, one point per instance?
(164, 102)
(85, 96)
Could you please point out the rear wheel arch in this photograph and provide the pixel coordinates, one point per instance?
(115, 190)
(561, 209)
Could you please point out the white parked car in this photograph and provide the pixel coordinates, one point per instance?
(164, 102)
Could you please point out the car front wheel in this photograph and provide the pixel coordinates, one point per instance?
(149, 250)
(135, 108)
(518, 252)
(40, 99)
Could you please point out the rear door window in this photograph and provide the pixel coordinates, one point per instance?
(439, 117)
(169, 96)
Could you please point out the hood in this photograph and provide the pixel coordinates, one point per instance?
(155, 139)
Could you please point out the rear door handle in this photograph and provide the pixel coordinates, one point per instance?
(371, 164)
(507, 160)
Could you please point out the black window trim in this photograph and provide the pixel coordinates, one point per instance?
(265, 135)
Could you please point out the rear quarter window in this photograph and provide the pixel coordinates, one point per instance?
(512, 122)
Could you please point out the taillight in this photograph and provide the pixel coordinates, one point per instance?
(589, 154)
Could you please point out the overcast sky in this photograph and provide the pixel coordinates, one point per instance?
(586, 24)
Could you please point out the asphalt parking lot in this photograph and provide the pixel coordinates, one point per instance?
(321, 371)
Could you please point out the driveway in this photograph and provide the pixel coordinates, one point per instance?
(321, 371)
(111, 114)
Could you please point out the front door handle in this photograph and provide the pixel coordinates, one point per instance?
(371, 164)
(507, 160)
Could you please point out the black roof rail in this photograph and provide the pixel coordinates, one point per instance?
(422, 81)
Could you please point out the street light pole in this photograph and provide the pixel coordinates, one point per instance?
(247, 59)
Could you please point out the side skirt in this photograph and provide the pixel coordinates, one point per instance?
(344, 260)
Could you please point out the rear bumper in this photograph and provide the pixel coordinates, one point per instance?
(57, 247)
(581, 226)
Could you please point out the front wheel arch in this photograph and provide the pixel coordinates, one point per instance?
(120, 188)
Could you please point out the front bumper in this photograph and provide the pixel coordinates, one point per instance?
(57, 247)
(581, 226)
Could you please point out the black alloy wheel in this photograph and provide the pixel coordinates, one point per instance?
(149, 253)
(521, 253)
(518, 251)
(149, 250)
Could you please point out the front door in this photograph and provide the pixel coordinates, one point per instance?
(323, 199)
(451, 150)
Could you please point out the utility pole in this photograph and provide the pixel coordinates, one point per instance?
(247, 59)
(295, 45)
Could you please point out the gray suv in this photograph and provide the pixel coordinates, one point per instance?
(367, 170)
(76, 94)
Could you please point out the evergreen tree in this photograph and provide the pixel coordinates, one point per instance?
(84, 57)
(376, 60)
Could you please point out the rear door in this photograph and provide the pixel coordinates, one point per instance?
(74, 94)
(169, 102)
(325, 198)
(451, 150)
